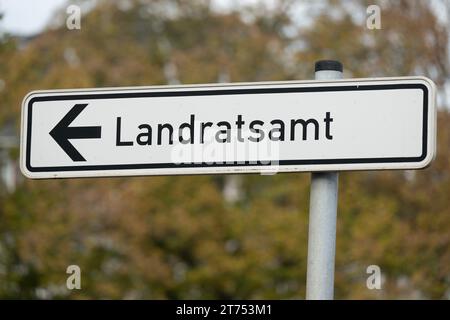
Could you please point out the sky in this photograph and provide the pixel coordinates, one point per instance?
(27, 17)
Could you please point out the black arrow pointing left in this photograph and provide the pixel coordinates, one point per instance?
(61, 133)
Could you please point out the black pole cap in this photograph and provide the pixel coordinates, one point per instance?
(328, 65)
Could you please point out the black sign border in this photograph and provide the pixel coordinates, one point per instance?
(203, 92)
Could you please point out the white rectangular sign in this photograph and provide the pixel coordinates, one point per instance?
(356, 124)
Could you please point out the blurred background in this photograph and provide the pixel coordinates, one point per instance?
(227, 237)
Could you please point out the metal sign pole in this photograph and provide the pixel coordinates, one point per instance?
(322, 215)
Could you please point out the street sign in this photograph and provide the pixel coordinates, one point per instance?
(357, 124)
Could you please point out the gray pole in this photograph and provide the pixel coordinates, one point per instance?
(322, 215)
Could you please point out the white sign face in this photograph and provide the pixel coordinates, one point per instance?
(358, 124)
